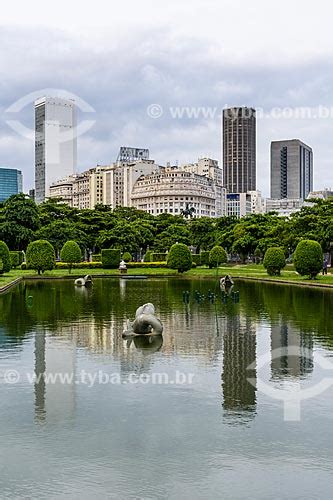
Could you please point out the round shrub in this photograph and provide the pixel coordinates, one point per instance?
(5, 257)
(179, 257)
(40, 256)
(71, 253)
(274, 261)
(127, 257)
(308, 258)
(217, 256)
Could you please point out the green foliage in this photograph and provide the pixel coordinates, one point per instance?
(148, 257)
(308, 258)
(274, 261)
(96, 257)
(196, 259)
(243, 246)
(71, 253)
(16, 258)
(217, 256)
(5, 257)
(111, 258)
(159, 257)
(127, 257)
(40, 256)
(79, 265)
(20, 221)
(204, 258)
(179, 257)
(1, 266)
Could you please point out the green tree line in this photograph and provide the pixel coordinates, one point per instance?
(131, 230)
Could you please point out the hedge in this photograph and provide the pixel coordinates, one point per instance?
(159, 257)
(79, 265)
(16, 258)
(204, 258)
(196, 258)
(96, 257)
(111, 258)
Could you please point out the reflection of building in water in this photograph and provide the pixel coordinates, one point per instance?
(296, 362)
(239, 351)
(54, 397)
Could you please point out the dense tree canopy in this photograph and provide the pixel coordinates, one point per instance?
(134, 231)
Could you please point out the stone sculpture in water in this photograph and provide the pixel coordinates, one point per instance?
(145, 322)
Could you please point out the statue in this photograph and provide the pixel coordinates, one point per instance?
(226, 283)
(145, 323)
(86, 281)
(122, 267)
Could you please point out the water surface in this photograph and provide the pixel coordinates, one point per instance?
(216, 437)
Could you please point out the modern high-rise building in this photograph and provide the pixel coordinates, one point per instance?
(55, 143)
(291, 169)
(10, 182)
(239, 149)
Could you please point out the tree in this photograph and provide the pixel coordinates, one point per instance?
(179, 258)
(308, 258)
(20, 221)
(176, 233)
(217, 256)
(243, 246)
(5, 258)
(274, 261)
(40, 256)
(71, 253)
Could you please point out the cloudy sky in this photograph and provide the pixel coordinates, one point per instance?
(201, 55)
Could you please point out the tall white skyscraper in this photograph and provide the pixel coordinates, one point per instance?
(55, 142)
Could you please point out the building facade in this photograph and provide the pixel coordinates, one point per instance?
(239, 205)
(239, 149)
(55, 143)
(291, 169)
(172, 190)
(284, 207)
(11, 181)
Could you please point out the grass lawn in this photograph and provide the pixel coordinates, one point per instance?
(236, 271)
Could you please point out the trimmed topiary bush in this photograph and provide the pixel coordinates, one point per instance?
(40, 256)
(148, 257)
(204, 258)
(71, 254)
(16, 258)
(179, 258)
(127, 257)
(5, 257)
(159, 257)
(308, 258)
(111, 258)
(274, 260)
(196, 258)
(217, 256)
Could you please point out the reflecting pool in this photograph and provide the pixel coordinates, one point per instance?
(86, 414)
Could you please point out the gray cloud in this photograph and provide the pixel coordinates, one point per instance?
(121, 76)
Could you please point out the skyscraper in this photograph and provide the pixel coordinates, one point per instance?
(55, 142)
(239, 149)
(291, 169)
(10, 182)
